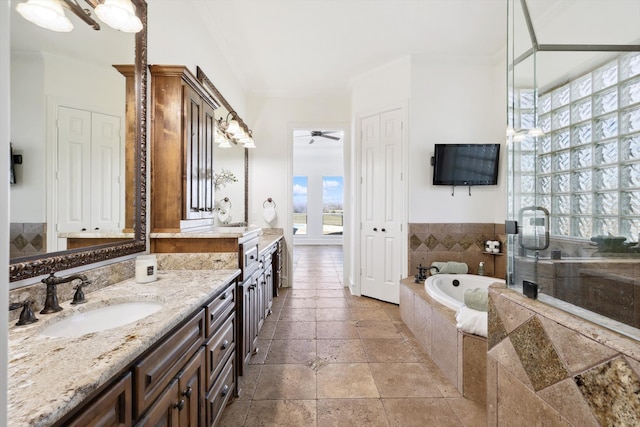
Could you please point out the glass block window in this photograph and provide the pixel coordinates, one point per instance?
(587, 165)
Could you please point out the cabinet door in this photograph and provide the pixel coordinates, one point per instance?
(191, 392)
(268, 291)
(166, 410)
(193, 152)
(260, 303)
(248, 293)
(111, 408)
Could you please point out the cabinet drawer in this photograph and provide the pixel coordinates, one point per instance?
(219, 309)
(155, 370)
(221, 392)
(219, 348)
(111, 408)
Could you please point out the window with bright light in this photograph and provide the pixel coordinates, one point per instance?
(586, 168)
(332, 212)
(300, 186)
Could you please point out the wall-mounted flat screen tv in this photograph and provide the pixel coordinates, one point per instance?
(465, 164)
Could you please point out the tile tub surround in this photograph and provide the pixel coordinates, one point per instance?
(49, 376)
(567, 370)
(462, 357)
(457, 242)
(27, 239)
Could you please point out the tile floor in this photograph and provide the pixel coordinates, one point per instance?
(331, 359)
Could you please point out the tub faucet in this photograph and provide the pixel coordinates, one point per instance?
(51, 301)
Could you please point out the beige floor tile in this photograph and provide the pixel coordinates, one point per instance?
(471, 414)
(282, 413)
(351, 413)
(369, 313)
(331, 302)
(291, 351)
(332, 314)
(341, 351)
(248, 381)
(300, 303)
(266, 333)
(298, 314)
(330, 285)
(291, 330)
(403, 380)
(261, 352)
(388, 350)
(377, 329)
(345, 380)
(290, 381)
(337, 330)
(303, 293)
(420, 412)
(331, 293)
(234, 414)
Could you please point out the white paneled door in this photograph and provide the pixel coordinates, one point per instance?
(382, 206)
(88, 171)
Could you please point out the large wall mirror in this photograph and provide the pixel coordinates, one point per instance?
(78, 121)
(232, 207)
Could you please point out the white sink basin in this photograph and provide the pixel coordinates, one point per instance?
(101, 319)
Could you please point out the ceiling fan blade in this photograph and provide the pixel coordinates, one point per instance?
(335, 138)
(312, 141)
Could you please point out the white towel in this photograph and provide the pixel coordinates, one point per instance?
(269, 213)
(472, 321)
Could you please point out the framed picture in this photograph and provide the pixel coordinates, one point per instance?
(12, 171)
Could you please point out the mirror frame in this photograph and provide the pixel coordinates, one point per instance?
(37, 265)
(213, 91)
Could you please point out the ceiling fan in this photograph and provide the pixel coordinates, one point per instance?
(321, 134)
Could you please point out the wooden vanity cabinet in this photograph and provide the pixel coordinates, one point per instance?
(111, 408)
(185, 379)
(182, 144)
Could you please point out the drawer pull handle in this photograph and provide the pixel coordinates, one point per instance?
(179, 405)
(223, 296)
(225, 390)
(225, 344)
(252, 257)
(187, 393)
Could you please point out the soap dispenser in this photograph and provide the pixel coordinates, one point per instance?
(481, 269)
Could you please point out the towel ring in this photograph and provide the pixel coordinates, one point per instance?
(270, 201)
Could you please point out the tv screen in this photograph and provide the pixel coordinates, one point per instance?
(466, 164)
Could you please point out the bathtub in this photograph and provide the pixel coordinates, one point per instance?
(448, 289)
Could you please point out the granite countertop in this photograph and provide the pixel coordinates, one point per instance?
(97, 235)
(209, 232)
(49, 376)
(266, 241)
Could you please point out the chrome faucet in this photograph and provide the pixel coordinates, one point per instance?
(51, 301)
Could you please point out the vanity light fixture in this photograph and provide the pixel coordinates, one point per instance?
(46, 14)
(248, 141)
(118, 14)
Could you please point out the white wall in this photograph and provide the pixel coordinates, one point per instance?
(179, 34)
(454, 101)
(4, 202)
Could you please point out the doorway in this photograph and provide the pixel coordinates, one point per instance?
(318, 187)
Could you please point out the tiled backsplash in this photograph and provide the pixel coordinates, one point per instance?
(27, 238)
(547, 365)
(457, 242)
